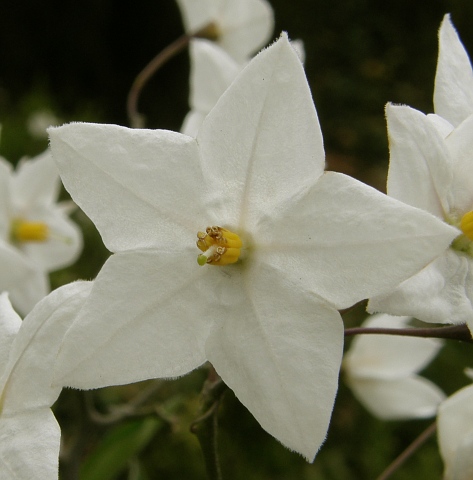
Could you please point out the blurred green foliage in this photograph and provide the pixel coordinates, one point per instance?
(77, 61)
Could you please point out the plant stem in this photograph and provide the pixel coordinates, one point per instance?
(453, 332)
(206, 426)
(134, 117)
(408, 452)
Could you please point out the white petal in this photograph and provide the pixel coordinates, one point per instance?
(5, 199)
(246, 25)
(455, 430)
(280, 353)
(28, 375)
(29, 445)
(440, 293)
(26, 294)
(255, 165)
(197, 13)
(346, 241)
(460, 145)
(400, 399)
(148, 316)
(443, 126)
(140, 187)
(389, 356)
(453, 94)
(9, 325)
(462, 468)
(212, 71)
(35, 182)
(192, 123)
(420, 170)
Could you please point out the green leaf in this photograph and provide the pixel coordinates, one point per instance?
(117, 448)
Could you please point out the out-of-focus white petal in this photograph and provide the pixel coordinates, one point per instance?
(256, 165)
(281, 357)
(455, 434)
(398, 399)
(9, 325)
(120, 177)
(35, 182)
(246, 25)
(5, 200)
(148, 316)
(212, 71)
(243, 27)
(356, 240)
(192, 122)
(443, 126)
(420, 168)
(439, 293)
(453, 94)
(27, 378)
(389, 356)
(29, 445)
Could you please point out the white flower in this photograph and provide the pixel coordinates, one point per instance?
(435, 173)
(455, 434)
(382, 372)
(212, 72)
(303, 243)
(453, 94)
(29, 433)
(36, 236)
(240, 27)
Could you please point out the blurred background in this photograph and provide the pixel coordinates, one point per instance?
(64, 61)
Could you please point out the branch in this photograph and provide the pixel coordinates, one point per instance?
(454, 332)
(408, 452)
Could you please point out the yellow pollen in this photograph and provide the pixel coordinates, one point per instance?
(211, 31)
(220, 246)
(466, 225)
(25, 231)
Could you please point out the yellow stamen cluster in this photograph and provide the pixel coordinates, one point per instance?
(210, 32)
(220, 246)
(466, 225)
(25, 231)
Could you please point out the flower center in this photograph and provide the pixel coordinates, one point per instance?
(220, 246)
(464, 242)
(25, 231)
(466, 225)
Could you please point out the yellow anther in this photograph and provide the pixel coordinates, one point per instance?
(25, 231)
(220, 246)
(466, 225)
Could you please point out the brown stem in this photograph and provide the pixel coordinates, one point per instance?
(134, 117)
(454, 332)
(408, 452)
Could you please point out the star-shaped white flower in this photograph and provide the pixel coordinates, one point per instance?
(382, 371)
(453, 94)
(241, 28)
(286, 245)
(455, 434)
(433, 172)
(36, 235)
(29, 433)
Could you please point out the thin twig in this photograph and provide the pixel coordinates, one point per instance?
(454, 332)
(134, 117)
(408, 452)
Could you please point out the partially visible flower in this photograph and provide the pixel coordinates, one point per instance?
(455, 434)
(29, 433)
(36, 235)
(286, 245)
(240, 27)
(382, 371)
(433, 172)
(453, 94)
